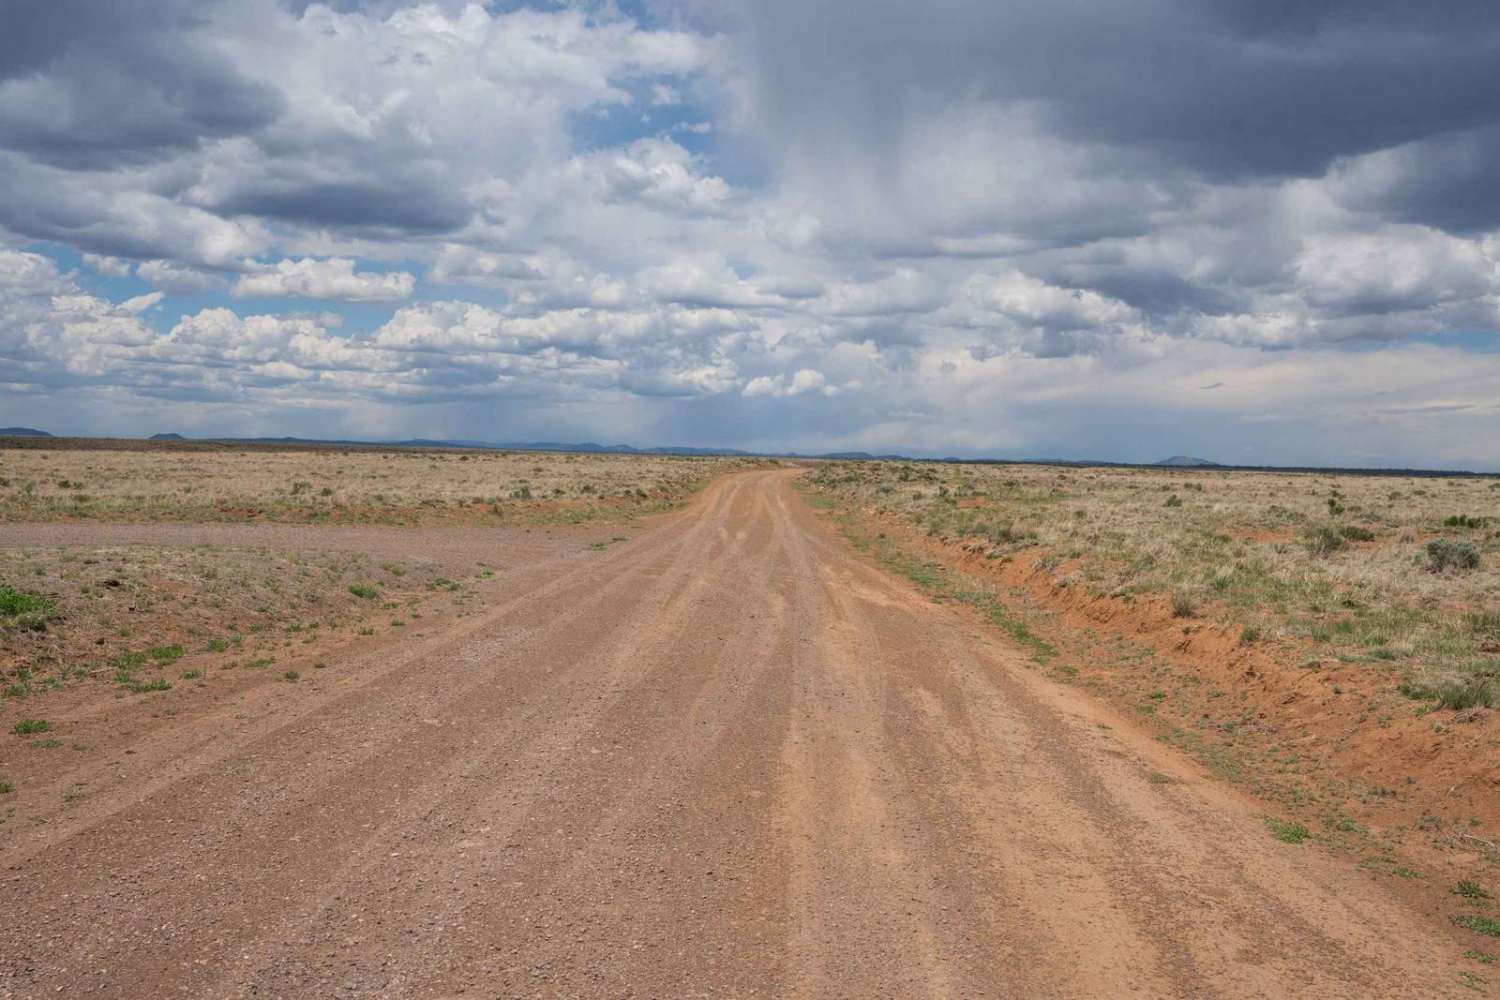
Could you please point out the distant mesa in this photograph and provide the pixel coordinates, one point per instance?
(166, 437)
(1188, 461)
(23, 432)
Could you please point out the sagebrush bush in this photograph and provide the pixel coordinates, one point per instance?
(1325, 540)
(1445, 553)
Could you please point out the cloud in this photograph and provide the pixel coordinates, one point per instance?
(805, 380)
(113, 267)
(178, 280)
(334, 278)
(963, 226)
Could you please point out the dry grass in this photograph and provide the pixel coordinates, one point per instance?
(139, 615)
(1338, 561)
(399, 486)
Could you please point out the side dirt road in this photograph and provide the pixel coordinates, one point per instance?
(724, 757)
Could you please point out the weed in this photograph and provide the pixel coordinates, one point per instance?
(1183, 604)
(23, 610)
(145, 687)
(1173, 501)
(165, 654)
(1483, 957)
(291, 675)
(1249, 635)
(364, 590)
(1465, 521)
(217, 645)
(1288, 833)
(1470, 890)
(1454, 692)
(1355, 533)
(29, 727)
(192, 675)
(6, 788)
(1482, 925)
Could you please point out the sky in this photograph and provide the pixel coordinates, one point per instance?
(1254, 231)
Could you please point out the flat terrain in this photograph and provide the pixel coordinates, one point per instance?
(724, 756)
(84, 479)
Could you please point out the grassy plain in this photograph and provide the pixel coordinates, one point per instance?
(1358, 568)
(340, 485)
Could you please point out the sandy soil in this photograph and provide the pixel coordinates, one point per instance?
(725, 757)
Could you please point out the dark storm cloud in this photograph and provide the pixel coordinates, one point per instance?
(392, 204)
(1231, 89)
(1448, 181)
(92, 85)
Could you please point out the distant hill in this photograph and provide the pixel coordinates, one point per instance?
(1187, 461)
(23, 432)
(166, 437)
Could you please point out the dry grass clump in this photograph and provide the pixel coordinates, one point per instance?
(1380, 569)
(398, 486)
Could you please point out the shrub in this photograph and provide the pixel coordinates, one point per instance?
(1444, 554)
(1174, 501)
(1355, 533)
(1465, 521)
(1325, 540)
(1249, 634)
(1183, 604)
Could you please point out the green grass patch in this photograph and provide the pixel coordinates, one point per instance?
(30, 727)
(1288, 833)
(1469, 889)
(1488, 926)
(21, 609)
(364, 591)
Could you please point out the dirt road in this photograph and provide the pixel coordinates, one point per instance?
(725, 758)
